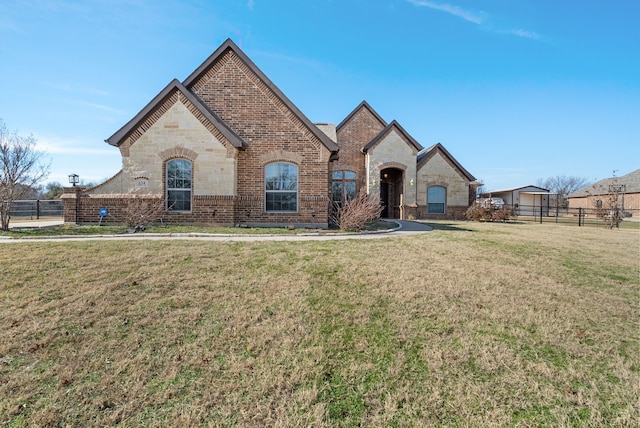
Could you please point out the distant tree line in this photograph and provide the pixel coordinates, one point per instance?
(561, 186)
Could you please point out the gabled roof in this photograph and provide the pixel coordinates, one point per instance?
(542, 189)
(117, 138)
(631, 182)
(429, 152)
(360, 106)
(229, 45)
(385, 132)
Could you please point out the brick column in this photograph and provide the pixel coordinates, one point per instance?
(70, 198)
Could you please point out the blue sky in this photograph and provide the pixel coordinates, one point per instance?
(516, 90)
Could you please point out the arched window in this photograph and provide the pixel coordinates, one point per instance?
(178, 185)
(281, 187)
(436, 199)
(343, 186)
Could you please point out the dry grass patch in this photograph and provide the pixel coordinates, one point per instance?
(472, 324)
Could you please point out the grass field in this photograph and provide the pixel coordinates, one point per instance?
(468, 325)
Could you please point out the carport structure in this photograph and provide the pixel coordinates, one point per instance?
(527, 200)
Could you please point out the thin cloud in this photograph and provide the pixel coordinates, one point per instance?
(467, 15)
(250, 4)
(526, 34)
(95, 105)
(55, 145)
(479, 18)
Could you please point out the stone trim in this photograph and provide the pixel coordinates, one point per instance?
(386, 165)
(280, 156)
(178, 152)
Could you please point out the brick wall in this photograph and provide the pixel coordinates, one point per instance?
(256, 114)
(353, 135)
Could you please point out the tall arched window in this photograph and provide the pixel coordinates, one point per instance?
(178, 185)
(343, 186)
(436, 199)
(281, 187)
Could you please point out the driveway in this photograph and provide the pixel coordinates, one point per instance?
(405, 228)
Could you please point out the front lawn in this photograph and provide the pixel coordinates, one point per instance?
(468, 325)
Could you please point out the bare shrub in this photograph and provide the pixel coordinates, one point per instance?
(142, 209)
(478, 212)
(355, 213)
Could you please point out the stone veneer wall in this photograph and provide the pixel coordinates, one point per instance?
(393, 146)
(439, 171)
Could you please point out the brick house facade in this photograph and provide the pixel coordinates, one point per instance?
(226, 146)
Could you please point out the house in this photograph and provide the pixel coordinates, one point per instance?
(629, 188)
(527, 200)
(226, 146)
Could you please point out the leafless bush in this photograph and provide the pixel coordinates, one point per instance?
(355, 213)
(477, 212)
(143, 209)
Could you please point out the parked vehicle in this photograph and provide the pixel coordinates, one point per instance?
(496, 203)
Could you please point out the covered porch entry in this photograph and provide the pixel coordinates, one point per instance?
(392, 193)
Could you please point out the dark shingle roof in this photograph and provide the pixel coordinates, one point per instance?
(631, 182)
(360, 106)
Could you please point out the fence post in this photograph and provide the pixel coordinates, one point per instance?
(579, 217)
(540, 213)
(37, 209)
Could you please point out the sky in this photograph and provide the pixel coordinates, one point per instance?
(516, 90)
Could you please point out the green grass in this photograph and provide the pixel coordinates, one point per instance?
(468, 325)
(86, 230)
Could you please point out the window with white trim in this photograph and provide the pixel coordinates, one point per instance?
(179, 185)
(281, 187)
(436, 199)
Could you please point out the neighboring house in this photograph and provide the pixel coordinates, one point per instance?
(629, 185)
(527, 200)
(226, 146)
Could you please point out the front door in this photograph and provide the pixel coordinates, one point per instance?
(384, 199)
(391, 192)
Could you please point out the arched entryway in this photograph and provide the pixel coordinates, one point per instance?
(391, 192)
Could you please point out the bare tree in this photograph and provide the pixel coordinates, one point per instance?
(52, 190)
(561, 186)
(22, 167)
(608, 201)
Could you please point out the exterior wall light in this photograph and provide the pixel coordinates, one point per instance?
(74, 179)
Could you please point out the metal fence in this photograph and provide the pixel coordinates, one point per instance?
(598, 217)
(37, 208)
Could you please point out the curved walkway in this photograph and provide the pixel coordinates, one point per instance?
(405, 228)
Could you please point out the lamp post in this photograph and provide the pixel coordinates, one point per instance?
(74, 179)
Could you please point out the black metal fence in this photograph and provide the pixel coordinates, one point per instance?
(37, 208)
(598, 217)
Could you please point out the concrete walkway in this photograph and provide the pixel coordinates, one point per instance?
(405, 228)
